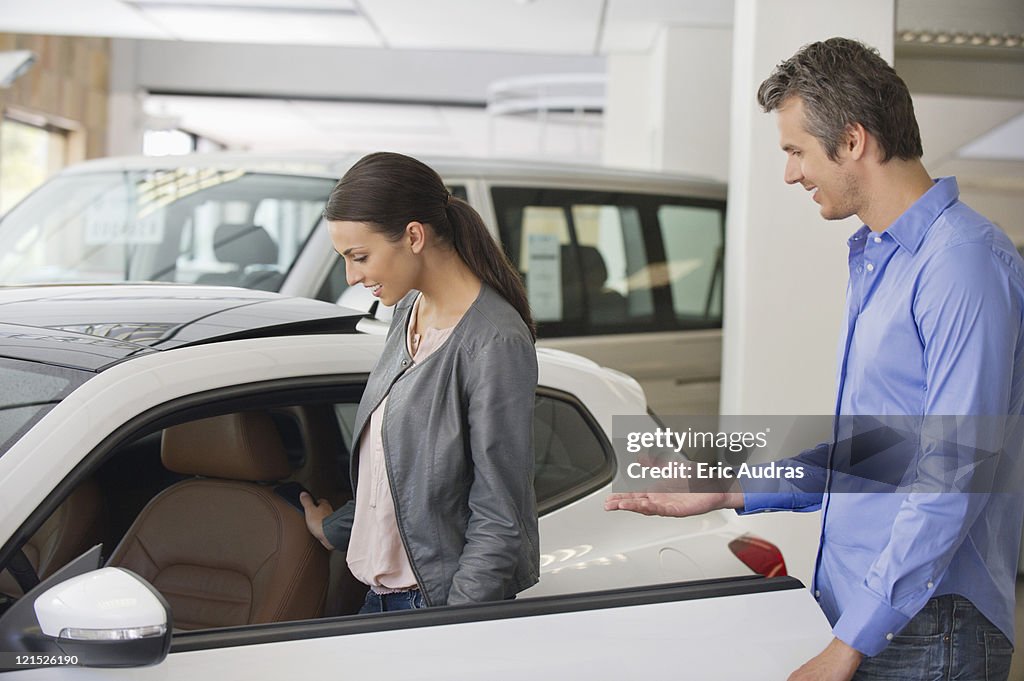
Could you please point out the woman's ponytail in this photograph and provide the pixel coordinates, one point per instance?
(486, 258)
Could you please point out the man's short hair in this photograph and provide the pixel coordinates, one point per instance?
(842, 82)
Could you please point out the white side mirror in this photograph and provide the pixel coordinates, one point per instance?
(109, 604)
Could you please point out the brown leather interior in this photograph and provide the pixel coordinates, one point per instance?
(74, 527)
(227, 551)
(242, 446)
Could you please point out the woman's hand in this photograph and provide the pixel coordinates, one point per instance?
(315, 514)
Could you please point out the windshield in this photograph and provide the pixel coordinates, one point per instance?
(28, 391)
(186, 225)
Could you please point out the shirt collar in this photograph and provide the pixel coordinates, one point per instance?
(909, 229)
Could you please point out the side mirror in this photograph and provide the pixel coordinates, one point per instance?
(107, 617)
(110, 617)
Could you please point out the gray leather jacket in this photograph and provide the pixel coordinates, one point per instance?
(458, 447)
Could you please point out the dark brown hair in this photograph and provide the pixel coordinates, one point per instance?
(388, 191)
(842, 82)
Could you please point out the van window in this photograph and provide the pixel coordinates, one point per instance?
(613, 262)
(694, 251)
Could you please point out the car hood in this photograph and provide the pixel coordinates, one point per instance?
(139, 319)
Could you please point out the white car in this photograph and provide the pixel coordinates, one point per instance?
(163, 424)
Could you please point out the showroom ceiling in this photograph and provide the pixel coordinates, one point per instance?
(548, 26)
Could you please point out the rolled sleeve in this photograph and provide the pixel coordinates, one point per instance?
(868, 624)
(801, 495)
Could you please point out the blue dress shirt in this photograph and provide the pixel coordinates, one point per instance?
(934, 325)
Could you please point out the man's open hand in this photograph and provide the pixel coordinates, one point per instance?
(672, 504)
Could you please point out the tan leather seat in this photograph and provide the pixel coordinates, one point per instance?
(223, 549)
(74, 527)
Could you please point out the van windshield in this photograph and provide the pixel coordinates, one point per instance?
(188, 225)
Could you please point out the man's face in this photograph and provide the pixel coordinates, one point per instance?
(834, 184)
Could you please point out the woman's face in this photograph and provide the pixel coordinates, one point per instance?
(387, 268)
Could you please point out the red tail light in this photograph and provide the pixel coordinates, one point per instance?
(763, 557)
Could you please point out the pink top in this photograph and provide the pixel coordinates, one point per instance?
(376, 555)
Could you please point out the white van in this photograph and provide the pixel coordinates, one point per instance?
(623, 267)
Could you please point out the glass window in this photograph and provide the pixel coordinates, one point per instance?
(28, 155)
(584, 257)
(693, 238)
(187, 225)
(571, 458)
(611, 262)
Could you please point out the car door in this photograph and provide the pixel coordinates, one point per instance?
(691, 630)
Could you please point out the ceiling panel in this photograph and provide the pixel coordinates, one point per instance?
(632, 25)
(266, 26)
(243, 5)
(110, 18)
(560, 27)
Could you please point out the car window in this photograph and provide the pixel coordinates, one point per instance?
(572, 456)
(613, 262)
(189, 225)
(30, 390)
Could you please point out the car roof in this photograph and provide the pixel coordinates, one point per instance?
(93, 326)
(450, 167)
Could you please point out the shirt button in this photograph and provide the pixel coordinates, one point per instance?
(871, 268)
(405, 362)
(888, 637)
(878, 239)
(930, 585)
(817, 594)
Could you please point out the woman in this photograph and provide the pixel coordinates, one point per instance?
(444, 509)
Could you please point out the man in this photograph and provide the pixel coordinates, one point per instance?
(918, 584)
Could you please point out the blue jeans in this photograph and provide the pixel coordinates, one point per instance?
(949, 640)
(403, 600)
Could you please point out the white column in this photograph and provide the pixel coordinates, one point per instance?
(668, 109)
(785, 266)
(124, 108)
(785, 272)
